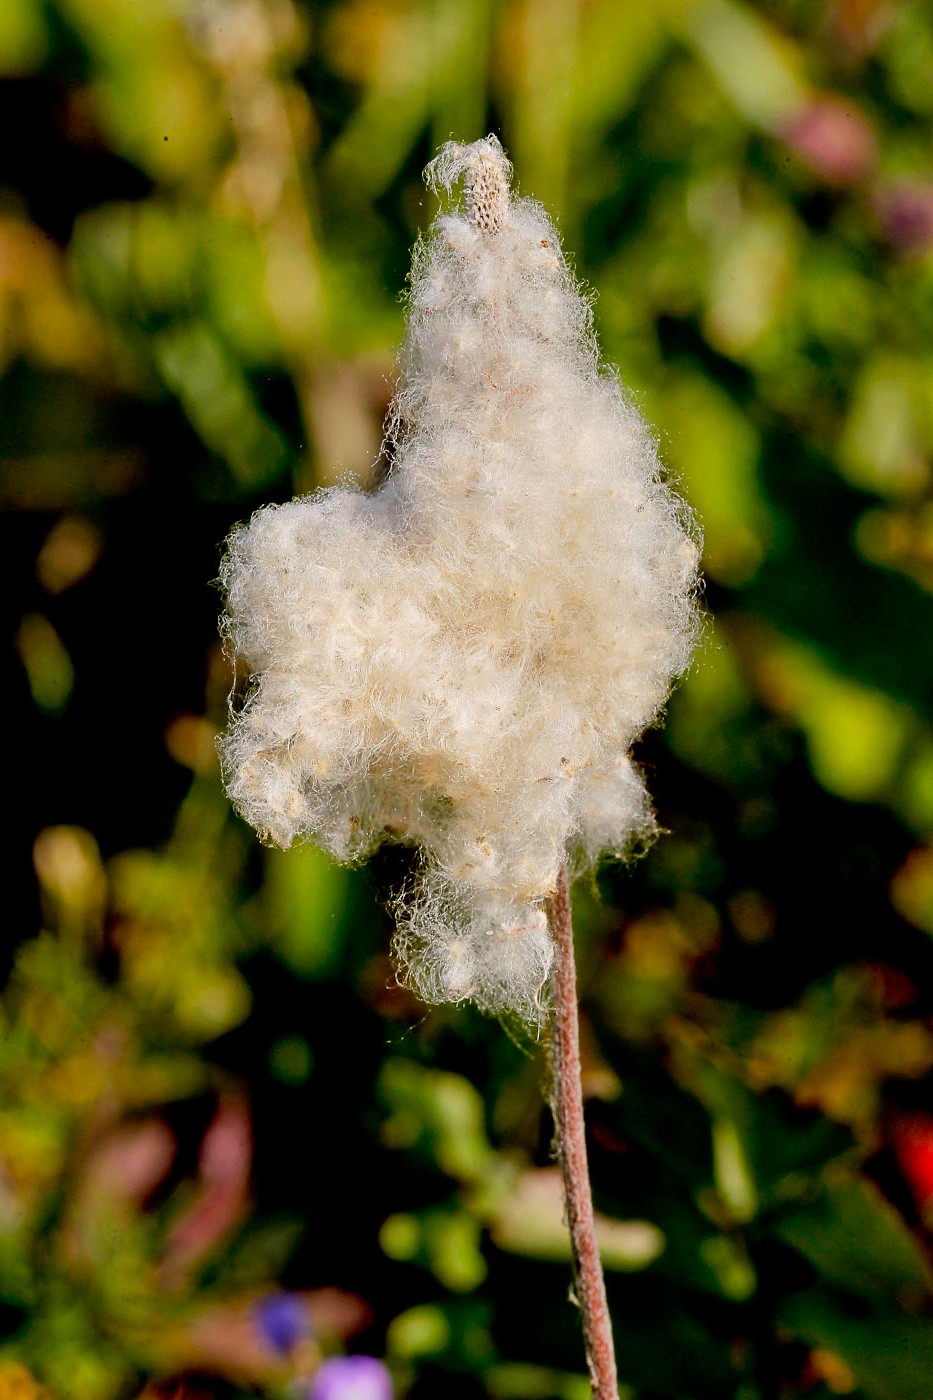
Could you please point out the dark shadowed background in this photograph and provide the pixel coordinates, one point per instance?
(230, 1146)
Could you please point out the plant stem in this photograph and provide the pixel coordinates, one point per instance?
(567, 1107)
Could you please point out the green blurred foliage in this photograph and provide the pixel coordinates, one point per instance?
(212, 1093)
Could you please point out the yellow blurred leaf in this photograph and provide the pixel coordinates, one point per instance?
(23, 43)
(900, 538)
(714, 448)
(421, 1331)
(42, 317)
(732, 1171)
(70, 477)
(17, 1383)
(756, 66)
(888, 432)
(530, 1221)
(912, 889)
(69, 553)
(46, 662)
(855, 735)
(750, 282)
(153, 97)
(71, 879)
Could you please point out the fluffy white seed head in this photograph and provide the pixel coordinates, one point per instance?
(462, 659)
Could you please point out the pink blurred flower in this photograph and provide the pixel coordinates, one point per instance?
(351, 1378)
(120, 1172)
(222, 1198)
(130, 1162)
(834, 139)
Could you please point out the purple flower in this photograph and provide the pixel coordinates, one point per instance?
(283, 1320)
(351, 1378)
(906, 213)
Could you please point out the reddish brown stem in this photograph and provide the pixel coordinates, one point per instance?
(567, 1106)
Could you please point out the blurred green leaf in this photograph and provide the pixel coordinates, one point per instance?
(889, 431)
(750, 60)
(456, 1332)
(23, 37)
(530, 1220)
(46, 662)
(659, 1115)
(890, 1353)
(218, 399)
(445, 1241)
(305, 894)
(714, 448)
(437, 1113)
(514, 1381)
(857, 1240)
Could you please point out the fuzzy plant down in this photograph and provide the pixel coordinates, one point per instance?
(462, 659)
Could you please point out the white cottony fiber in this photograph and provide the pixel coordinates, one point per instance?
(462, 659)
